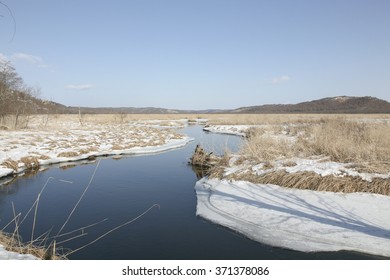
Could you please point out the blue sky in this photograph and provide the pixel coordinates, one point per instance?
(198, 54)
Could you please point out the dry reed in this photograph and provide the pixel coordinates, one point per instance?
(364, 145)
(337, 138)
(313, 181)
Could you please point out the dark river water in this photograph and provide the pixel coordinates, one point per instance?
(121, 190)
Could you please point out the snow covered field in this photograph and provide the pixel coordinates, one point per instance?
(22, 149)
(298, 219)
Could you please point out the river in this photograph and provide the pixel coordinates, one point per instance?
(121, 190)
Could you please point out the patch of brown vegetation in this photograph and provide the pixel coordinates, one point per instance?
(44, 157)
(116, 147)
(289, 163)
(31, 162)
(87, 150)
(372, 167)
(338, 139)
(12, 164)
(68, 154)
(316, 182)
(13, 244)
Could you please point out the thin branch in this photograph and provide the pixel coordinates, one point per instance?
(13, 19)
(114, 229)
(36, 208)
(81, 197)
(10, 222)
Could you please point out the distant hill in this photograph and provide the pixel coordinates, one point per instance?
(135, 110)
(329, 105)
(121, 110)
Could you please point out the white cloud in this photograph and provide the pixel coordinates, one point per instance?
(80, 87)
(281, 79)
(33, 59)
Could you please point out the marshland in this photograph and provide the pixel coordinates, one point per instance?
(120, 187)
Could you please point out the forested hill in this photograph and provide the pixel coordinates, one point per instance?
(330, 105)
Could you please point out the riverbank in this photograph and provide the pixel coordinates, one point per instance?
(313, 185)
(69, 141)
(11, 249)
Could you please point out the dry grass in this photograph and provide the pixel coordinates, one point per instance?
(337, 138)
(313, 181)
(30, 162)
(361, 140)
(266, 148)
(12, 164)
(347, 141)
(279, 119)
(13, 244)
(117, 147)
(68, 154)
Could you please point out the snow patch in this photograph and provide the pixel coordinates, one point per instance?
(239, 130)
(105, 150)
(302, 220)
(7, 255)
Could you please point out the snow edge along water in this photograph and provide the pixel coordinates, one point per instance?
(302, 220)
(172, 144)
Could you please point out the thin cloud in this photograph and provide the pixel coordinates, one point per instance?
(29, 58)
(33, 59)
(80, 87)
(281, 79)
(3, 58)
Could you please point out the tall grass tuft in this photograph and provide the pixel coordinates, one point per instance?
(339, 139)
(350, 141)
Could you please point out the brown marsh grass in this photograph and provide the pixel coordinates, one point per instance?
(361, 140)
(12, 243)
(339, 139)
(313, 181)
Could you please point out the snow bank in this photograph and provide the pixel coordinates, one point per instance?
(22, 149)
(300, 220)
(239, 130)
(7, 255)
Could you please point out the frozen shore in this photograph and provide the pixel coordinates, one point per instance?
(23, 149)
(302, 220)
(239, 130)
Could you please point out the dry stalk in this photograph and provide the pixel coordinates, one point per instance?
(316, 182)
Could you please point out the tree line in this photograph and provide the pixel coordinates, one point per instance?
(17, 100)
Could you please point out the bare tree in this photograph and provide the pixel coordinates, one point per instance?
(10, 84)
(15, 97)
